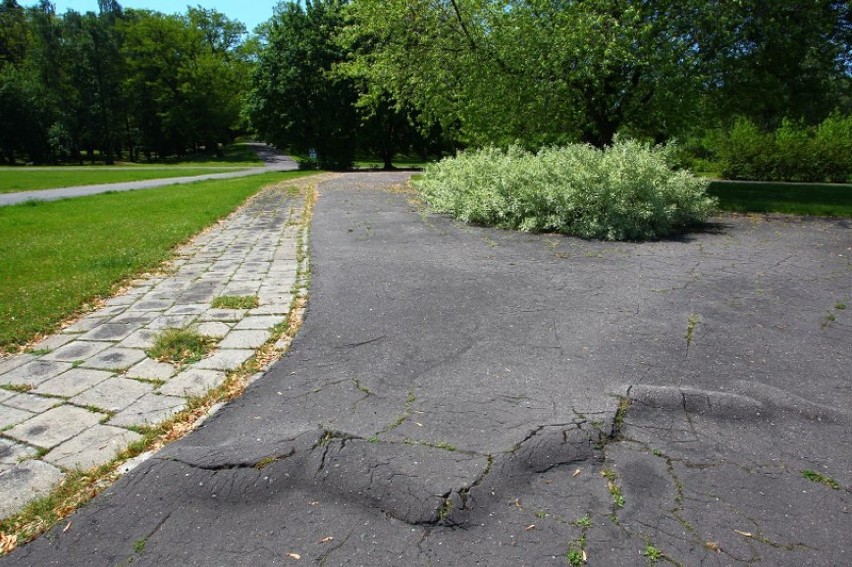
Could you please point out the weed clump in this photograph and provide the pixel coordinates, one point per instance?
(628, 191)
(181, 346)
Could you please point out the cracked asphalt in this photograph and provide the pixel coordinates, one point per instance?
(468, 396)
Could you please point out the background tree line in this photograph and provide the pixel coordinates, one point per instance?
(119, 83)
(426, 76)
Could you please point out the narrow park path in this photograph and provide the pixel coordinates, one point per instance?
(83, 394)
(273, 161)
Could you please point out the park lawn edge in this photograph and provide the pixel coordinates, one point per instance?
(91, 301)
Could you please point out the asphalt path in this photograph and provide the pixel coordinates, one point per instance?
(469, 396)
(273, 161)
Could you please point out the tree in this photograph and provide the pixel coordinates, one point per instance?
(295, 99)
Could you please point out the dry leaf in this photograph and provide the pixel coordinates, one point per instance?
(744, 534)
(585, 557)
(8, 542)
(418, 424)
(313, 503)
(529, 527)
(294, 556)
(326, 539)
(517, 502)
(713, 546)
(576, 473)
(66, 528)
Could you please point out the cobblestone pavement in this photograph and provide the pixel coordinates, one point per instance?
(80, 396)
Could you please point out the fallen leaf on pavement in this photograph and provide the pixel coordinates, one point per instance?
(744, 534)
(326, 539)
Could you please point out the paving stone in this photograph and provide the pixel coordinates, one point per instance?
(109, 311)
(143, 338)
(171, 322)
(111, 332)
(12, 362)
(262, 322)
(225, 359)
(94, 447)
(115, 358)
(73, 382)
(83, 325)
(24, 482)
(191, 309)
(31, 402)
(149, 409)
(193, 382)
(138, 318)
(150, 369)
(282, 308)
(123, 299)
(53, 342)
(12, 453)
(241, 288)
(113, 394)
(215, 329)
(232, 315)
(76, 350)
(12, 416)
(6, 394)
(34, 372)
(244, 339)
(54, 426)
(152, 305)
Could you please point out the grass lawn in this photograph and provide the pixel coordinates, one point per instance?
(821, 199)
(14, 179)
(56, 256)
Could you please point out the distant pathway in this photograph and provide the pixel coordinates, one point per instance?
(273, 161)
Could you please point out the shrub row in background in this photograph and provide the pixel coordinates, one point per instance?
(624, 192)
(793, 152)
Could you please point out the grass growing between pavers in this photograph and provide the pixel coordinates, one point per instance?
(55, 257)
(235, 302)
(13, 180)
(79, 487)
(819, 199)
(181, 346)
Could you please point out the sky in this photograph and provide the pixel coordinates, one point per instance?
(249, 12)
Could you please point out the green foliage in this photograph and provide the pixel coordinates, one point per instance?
(627, 191)
(538, 72)
(295, 99)
(793, 152)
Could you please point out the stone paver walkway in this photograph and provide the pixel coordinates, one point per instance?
(77, 403)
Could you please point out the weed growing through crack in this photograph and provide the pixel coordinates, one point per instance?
(652, 553)
(612, 486)
(814, 476)
(236, 302)
(139, 545)
(39, 351)
(691, 323)
(585, 522)
(17, 388)
(445, 510)
(180, 346)
(575, 557)
(829, 319)
(840, 306)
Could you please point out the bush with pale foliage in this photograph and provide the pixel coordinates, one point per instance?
(627, 191)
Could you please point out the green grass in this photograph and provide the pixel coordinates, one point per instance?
(820, 199)
(181, 346)
(55, 256)
(17, 179)
(235, 302)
